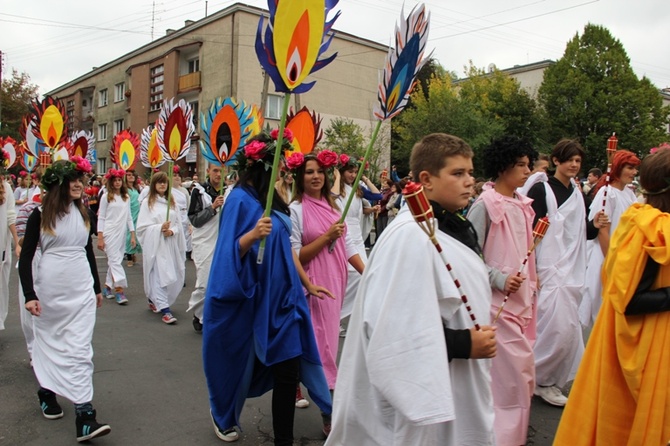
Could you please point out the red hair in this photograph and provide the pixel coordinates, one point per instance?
(620, 159)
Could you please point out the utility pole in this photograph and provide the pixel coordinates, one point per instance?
(153, 16)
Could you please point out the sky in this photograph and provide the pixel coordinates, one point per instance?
(55, 42)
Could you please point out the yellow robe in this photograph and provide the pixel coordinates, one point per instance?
(621, 395)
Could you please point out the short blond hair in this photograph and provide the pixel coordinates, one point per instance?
(431, 152)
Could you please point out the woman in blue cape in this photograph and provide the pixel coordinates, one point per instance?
(257, 333)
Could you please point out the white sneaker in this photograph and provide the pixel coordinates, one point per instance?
(229, 435)
(551, 395)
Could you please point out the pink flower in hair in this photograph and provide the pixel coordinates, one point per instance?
(344, 159)
(254, 150)
(81, 164)
(327, 159)
(295, 160)
(288, 134)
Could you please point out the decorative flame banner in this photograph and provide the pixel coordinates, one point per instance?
(34, 144)
(124, 149)
(294, 40)
(81, 142)
(174, 129)
(150, 155)
(257, 122)
(403, 62)
(28, 161)
(9, 145)
(226, 127)
(49, 121)
(306, 128)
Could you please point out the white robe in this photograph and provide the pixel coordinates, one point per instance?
(203, 244)
(395, 383)
(353, 221)
(561, 269)
(62, 351)
(617, 203)
(7, 218)
(163, 257)
(183, 200)
(114, 221)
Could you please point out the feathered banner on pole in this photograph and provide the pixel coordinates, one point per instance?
(9, 146)
(50, 121)
(306, 128)
(174, 128)
(403, 63)
(150, 155)
(124, 149)
(226, 127)
(27, 159)
(295, 39)
(34, 145)
(81, 143)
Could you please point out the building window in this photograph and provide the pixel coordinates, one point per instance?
(119, 125)
(102, 98)
(193, 65)
(119, 91)
(102, 132)
(156, 88)
(196, 113)
(273, 109)
(101, 165)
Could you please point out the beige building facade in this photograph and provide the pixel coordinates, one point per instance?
(215, 57)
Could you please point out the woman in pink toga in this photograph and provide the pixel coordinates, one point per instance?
(503, 220)
(314, 218)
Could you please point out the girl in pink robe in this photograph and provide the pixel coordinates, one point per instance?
(503, 220)
(314, 217)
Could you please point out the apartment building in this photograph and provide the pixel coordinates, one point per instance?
(209, 58)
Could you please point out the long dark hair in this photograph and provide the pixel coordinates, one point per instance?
(258, 178)
(654, 174)
(56, 203)
(300, 183)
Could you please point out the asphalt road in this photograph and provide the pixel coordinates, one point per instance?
(149, 383)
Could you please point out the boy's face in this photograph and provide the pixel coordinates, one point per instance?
(452, 188)
(516, 175)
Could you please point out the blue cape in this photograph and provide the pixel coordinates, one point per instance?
(255, 315)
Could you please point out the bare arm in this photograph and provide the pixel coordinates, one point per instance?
(261, 230)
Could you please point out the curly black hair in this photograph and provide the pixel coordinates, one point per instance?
(504, 152)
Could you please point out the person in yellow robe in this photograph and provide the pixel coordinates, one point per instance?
(621, 395)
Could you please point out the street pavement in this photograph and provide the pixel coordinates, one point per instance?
(149, 383)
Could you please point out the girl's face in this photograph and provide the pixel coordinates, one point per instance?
(162, 188)
(130, 178)
(350, 175)
(288, 178)
(76, 189)
(116, 183)
(314, 178)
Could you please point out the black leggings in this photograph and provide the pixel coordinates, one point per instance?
(283, 400)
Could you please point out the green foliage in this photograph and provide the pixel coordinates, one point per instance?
(345, 136)
(592, 91)
(15, 96)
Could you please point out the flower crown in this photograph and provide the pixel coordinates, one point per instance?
(661, 146)
(68, 170)
(346, 162)
(261, 149)
(327, 159)
(115, 173)
(4, 159)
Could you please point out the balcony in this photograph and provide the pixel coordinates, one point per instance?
(190, 81)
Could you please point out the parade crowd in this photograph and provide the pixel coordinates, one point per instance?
(434, 353)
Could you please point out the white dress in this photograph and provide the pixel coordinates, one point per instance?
(163, 257)
(183, 201)
(395, 383)
(617, 203)
(115, 221)
(561, 269)
(62, 352)
(7, 218)
(353, 221)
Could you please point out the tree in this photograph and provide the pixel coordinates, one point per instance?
(592, 91)
(442, 111)
(15, 96)
(345, 136)
(500, 97)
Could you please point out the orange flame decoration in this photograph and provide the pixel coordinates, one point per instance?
(9, 145)
(124, 149)
(81, 142)
(258, 120)
(225, 128)
(306, 128)
(175, 128)
(34, 144)
(28, 161)
(49, 122)
(150, 155)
